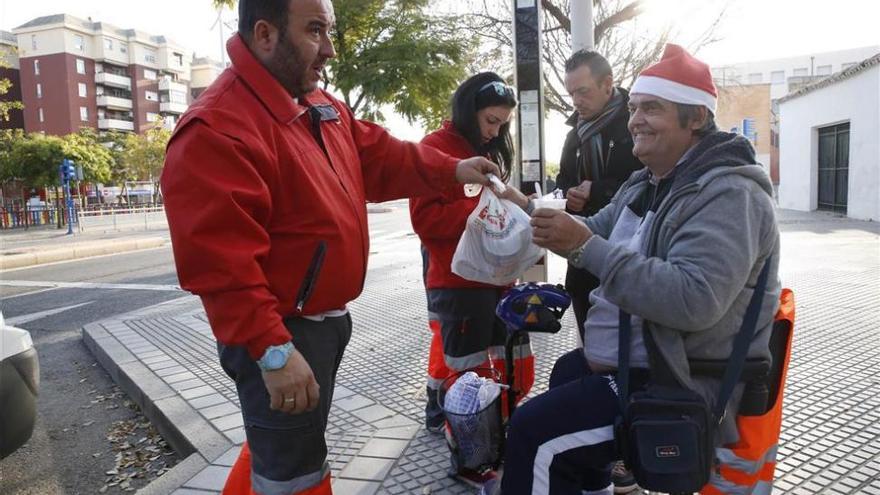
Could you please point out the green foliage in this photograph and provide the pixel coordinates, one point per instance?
(5, 85)
(143, 155)
(34, 158)
(85, 150)
(395, 53)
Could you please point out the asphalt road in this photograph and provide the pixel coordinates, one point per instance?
(79, 409)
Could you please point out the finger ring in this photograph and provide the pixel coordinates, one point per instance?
(292, 399)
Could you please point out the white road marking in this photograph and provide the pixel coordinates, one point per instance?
(88, 285)
(22, 319)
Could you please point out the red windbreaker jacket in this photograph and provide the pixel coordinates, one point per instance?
(249, 194)
(440, 219)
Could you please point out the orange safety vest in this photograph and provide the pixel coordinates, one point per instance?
(239, 480)
(746, 467)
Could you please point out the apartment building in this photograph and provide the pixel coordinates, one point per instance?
(203, 72)
(78, 73)
(9, 71)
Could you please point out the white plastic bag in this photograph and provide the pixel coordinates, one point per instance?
(496, 247)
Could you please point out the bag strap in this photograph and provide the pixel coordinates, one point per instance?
(737, 355)
(741, 344)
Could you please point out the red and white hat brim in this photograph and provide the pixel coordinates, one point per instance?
(673, 91)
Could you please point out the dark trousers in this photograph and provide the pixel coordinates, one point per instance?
(286, 449)
(562, 441)
(579, 283)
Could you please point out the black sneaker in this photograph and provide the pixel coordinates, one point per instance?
(623, 479)
(435, 424)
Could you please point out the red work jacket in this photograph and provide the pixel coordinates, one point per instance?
(440, 218)
(249, 193)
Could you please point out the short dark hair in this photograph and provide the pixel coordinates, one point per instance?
(598, 65)
(250, 11)
(687, 113)
(486, 89)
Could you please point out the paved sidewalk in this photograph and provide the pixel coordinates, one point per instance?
(37, 246)
(165, 358)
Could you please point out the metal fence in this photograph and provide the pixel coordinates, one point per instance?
(132, 218)
(92, 218)
(23, 218)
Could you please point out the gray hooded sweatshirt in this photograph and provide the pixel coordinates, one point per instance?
(707, 244)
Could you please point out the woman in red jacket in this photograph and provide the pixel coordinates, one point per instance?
(461, 313)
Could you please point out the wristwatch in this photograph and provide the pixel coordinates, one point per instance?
(574, 256)
(275, 356)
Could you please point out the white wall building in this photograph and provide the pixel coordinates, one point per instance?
(830, 143)
(782, 72)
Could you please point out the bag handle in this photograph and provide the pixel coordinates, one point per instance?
(737, 356)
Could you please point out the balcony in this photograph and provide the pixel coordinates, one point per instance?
(171, 107)
(113, 80)
(166, 84)
(115, 124)
(114, 102)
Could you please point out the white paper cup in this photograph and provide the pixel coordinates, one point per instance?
(554, 203)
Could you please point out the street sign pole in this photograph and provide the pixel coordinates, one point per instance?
(529, 83)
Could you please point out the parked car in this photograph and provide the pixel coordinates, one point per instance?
(19, 386)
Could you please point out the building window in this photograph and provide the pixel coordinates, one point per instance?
(151, 96)
(823, 70)
(82, 90)
(33, 42)
(847, 65)
(802, 71)
(108, 44)
(150, 74)
(80, 66)
(39, 90)
(41, 115)
(123, 47)
(84, 114)
(150, 56)
(36, 67)
(777, 76)
(756, 78)
(79, 43)
(152, 117)
(178, 59)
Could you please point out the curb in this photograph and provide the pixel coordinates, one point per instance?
(195, 439)
(85, 250)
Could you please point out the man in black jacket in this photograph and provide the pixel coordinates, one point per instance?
(597, 156)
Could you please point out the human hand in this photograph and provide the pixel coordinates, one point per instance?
(293, 388)
(474, 170)
(577, 197)
(515, 195)
(558, 231)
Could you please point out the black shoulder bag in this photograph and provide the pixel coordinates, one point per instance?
(666, 434)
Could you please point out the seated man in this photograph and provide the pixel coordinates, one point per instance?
(679, 248)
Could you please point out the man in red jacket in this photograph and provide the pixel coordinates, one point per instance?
(265, 184)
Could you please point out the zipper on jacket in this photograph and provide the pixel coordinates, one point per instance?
(311, 276)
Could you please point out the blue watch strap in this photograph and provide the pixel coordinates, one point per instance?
(275, 356)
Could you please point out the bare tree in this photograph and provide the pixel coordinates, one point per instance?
(617, 35)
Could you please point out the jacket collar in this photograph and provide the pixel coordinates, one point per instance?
(284, 108)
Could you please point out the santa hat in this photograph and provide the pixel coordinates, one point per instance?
(679, 78)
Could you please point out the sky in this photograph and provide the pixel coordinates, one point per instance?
(751, 29)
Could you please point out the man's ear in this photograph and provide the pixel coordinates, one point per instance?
(264, 39)
(702, 117)
(608, 84)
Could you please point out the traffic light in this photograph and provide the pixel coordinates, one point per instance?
(68, 170)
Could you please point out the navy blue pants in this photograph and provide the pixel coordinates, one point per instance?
(288, 452)
(562, 441)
